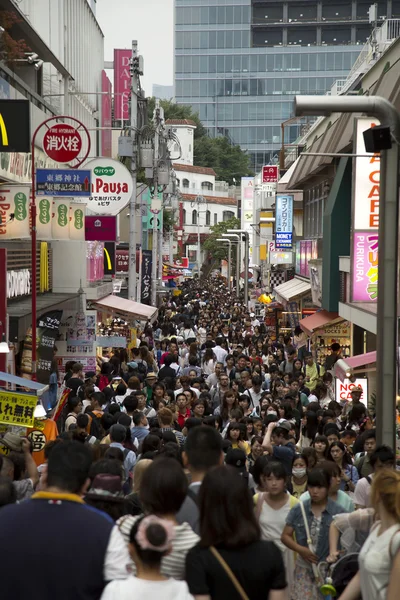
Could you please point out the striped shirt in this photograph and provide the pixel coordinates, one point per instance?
(172, 565)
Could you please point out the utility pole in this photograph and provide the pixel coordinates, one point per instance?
(155, 208)
(134, 166)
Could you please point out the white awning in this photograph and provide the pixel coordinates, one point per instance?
(290, 289)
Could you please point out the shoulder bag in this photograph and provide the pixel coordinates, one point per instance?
(230, 574)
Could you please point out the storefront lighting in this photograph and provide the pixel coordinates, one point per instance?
(4, 348)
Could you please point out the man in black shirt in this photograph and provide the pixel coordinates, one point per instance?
(76, 380)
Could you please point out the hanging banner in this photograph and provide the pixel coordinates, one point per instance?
(365, 266)
(122, 83)
(106, 115)
(44, 218)
(60, 221)
(48, 326)
(76, 223)
(14, 201)
(147, 261)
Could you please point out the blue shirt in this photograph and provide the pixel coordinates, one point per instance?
(129, 459)
(295, 520)
(139, 433)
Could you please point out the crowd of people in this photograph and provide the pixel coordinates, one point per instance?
(210, 462)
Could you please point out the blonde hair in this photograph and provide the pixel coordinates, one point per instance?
(386, 489)
(138, 472)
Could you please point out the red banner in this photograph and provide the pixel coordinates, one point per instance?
(122, 83)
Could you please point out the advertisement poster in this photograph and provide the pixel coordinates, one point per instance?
(48, 326)
(146, 277)
(343, 390)
(17, 409)
(122, 83)
(365, 266)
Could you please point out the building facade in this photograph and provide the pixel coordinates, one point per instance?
(239, 63)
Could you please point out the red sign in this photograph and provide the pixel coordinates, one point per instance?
(101, 229)
(270, 174)
(122, 261)
(183, 263)
(106, 134)
(122, 83)
(62, 143)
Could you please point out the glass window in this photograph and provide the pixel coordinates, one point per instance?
(212, 64)
(330, 61)
(195, 88)
(296, 62)
(204, 40)
(362, 34)
(228, 39)
(338, 61)
(236, 112)
(195, 64)
(179, 88)
(245, 64)
(237, 15)
(245, 39)
(302, 36)
(206, 185)
(229, 112)
(245, 87)
(302, 12)
(194, 217)
(321, 62)
(244, 135)
(246, 15)
(236, 87)
(211, 87)
(336, 11)
(208, 213)
(304, 62)
(278, 62)
(253, 87)
(185, 183)
(204, 15)
(227, 214)
(196, 15)
(203, 64)
(215, 218)
(304, 85)
(252, 135)
(221, 88)
(253, 63)
(237, 39)
(253, 111)
(347, 61)
(229, 15)
(221, 15)
(260, 87)
(179, 64)
(228, 65)
(260, 111)
(203, 112)
(335, 36)
(237, 64)
(203, 87)
(269, 111)
(184, 216)
(221, 39)
(312, 64)
(278, 86)
(195, 36)
(212, 15)
(245, 111)
(212, 39)
(179, 40)
(269, 87)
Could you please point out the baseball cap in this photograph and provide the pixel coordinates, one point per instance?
(236, 458)
(90, 374)
(284, 424)
(133, 365)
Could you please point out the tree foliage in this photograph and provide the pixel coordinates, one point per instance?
(11, 49)
(228, 161)
(219, 250)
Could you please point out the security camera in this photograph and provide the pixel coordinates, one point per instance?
(38, 65)
(32, 57)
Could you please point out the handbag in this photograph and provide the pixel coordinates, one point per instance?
(230, 574)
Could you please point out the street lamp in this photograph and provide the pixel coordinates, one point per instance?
(236, 241)
(229, 259)
(387, 347)
(246, 262)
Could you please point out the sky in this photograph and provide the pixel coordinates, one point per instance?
(150, 22)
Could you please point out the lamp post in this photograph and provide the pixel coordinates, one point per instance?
(229, 259)
(387, 345)
(237, 241)
(246, 262)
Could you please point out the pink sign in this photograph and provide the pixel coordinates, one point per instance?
(270, 174)
(122, 83)
(106, 134)
(101, 229)
(365, 267)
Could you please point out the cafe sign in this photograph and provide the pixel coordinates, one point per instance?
(112, 186)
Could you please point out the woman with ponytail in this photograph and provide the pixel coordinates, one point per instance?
(150, 540)
(379, 560)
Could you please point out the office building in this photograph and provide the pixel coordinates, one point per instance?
(239, 63)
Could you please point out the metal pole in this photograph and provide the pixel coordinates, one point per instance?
(155, 212)
(132, 202)
(229, 263)
(387, 330)
(198, 240)
(238, 269)
(154, 261)
(160, 254)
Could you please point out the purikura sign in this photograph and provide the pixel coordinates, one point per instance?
(366, 196)
(112, 186)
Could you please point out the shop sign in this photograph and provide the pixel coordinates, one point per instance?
(63, 182)
(101, 229)
(122, 261)
(343, 390)
(366, 181)
(47, 333)
(283, 240)
(62, 143)
(122, 83)
(106, 115)
(112, 186)
(337, 330)
(281, 258)
(14, 201)
(284, 213)
(365, 266)
(17, 409)
(18, 283)
(147, 261)
(247, 189)
(270, 174)
(60, 220)
(109, 258)
(76, 223)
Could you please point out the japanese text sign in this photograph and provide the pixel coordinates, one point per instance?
(17, 409)
(112, 186)
(62, 143)
(284, 213)
(71, 182)
(365, 266)
(270, 174)
(146, 276)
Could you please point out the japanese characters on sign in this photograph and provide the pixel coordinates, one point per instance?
(366, 194)
(47, 331)
(111, 187)
(270, 174)
(54, 182)
(146, 277)
(17, 409)
(284, 213)
(62, 143)
(122, 261)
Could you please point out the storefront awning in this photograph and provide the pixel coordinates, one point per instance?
(318, 320)
(291, 289)
(122, 306)
(361, 359)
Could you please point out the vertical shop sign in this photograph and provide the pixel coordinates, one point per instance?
(48, 326)
(106, 134)
(122, 84)
(146, 276)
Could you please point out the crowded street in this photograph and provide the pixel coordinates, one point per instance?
(210, 461)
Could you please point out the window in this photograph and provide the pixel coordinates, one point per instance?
(215, 218)
(227, 214)
(208, 217)
(194, 217)
(184, 216)
(178, 182)
(185, 183)
(206, 185)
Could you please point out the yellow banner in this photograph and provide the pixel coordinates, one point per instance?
(17, 409)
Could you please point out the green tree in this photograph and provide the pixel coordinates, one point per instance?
(218, 250)
(177, 111)
(228, 161)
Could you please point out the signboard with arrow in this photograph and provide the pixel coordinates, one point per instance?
(63, 182)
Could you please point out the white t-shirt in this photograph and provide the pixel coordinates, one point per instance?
(133, 587)
(362, 492)
(375, 560)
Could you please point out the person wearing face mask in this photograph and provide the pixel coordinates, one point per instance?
(298, 481)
